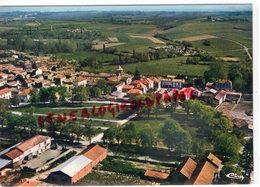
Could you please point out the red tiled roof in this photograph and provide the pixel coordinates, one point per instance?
(32, 142)
(156, 174)
(27, 182)
(140, 85)
(204, 176)
(114, 78)
(128, 87)
(25, 92)
(94, 152)
(136, 82)
(147, 81)
(4, 91)
(14, 153)
(220, 95)
(188, 168)
(215, 160)
(79, 79)
(240, 122)
(135, 91)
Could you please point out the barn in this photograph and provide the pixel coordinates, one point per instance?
(96, 153)
(72, 170)
(78, 166)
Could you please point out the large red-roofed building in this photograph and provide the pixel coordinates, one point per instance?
(27, 149)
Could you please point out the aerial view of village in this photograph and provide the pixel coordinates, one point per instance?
(126, 95)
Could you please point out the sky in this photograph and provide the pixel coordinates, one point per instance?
(181, 8)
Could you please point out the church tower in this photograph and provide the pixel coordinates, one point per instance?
(119, 71)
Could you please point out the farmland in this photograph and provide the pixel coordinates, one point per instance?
(226, 38)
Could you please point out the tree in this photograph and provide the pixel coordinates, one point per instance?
(174, 136)
(130, 133)
(221, 124)
(95, 92)
(133, 52)
(77, 130)
(247, 158)
(102, 84)
(90, 132)
(44, 94)
(80, 93)
(137, 75)
(3, 110)
(227, 146)
(53, 94)
(63, 93)
(34, 96)
(217, 70)
(108, 136)
(206, 42)
(15, 101)
(199, 148)
(118, 135)
(147, 138)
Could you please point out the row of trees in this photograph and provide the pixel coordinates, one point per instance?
(172, 134)
(78, 93)
(26, 125)
(47, 47)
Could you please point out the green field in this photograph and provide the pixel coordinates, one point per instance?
(219, 29)
(168, 66)
(63, 109)
(81, 55)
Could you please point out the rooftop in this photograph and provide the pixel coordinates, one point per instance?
(4, 91)
(28, 144)
(14, 153)
(188, 168)
(25, 92)
(27, 182)
(203, 175)
(73, 165)
(94, 152)
(156, 174)
(135, 91)
(215, 160)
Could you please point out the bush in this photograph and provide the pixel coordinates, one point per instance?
(206, 43)
(120, 166)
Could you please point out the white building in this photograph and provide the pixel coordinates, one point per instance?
(27, 149)
(172, 83)
(5, 93)
(80, 81)
(2, 82)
